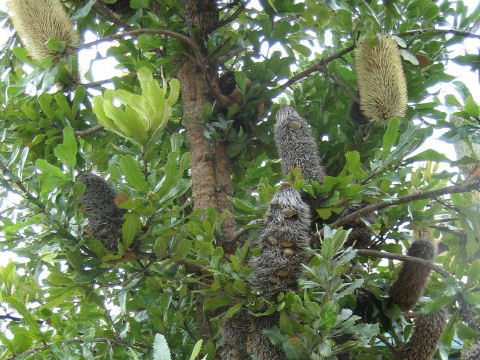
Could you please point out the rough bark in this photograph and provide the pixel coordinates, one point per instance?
(211, 180)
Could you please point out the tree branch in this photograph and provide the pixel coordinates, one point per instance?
(101, 8)
(98, 83)
(231, 18)
(89, 131)
(440, 31)
(78, 341)
(317, 67)
(455, 189)
(134, 33)
(345, 88)
(386, 255)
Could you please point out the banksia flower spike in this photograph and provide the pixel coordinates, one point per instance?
(36, 21)
(473, 353)
(105, 219)
(408, 287)
(381, 80)
(296, 146)
(425, 338)
(284, 242)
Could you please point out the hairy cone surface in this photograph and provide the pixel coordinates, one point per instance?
(284, 242)
(426, 335)
(36, 21)
(105, 219)
(473, 353)
(296, 146)
(408, 287)
(259, 346)
(234, 333)
(381, 80)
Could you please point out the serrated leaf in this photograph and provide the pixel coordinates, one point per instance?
(161, 351)
(67, 151)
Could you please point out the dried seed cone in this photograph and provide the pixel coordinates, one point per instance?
(296, 146)
(361, 234)
(426, 335)
(259, 346)
(408, 287)
(234, 333)
(284, 242)
(381, 80)
(105, 219)
(36, 21)
(473, 353)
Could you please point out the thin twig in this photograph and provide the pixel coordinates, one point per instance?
(455, 189)
(98, 83)
(440, 31)
(89, 131)
(231, 18)
(413, 259)
(459, 234)
(385, 341)
(134, 33)
(246, 229)
(349, 92)
(317, 67)
(101, 8)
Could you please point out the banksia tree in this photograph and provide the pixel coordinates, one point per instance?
(284, 242)
(408, 287)
(105, 219)
(381, 80)
(37, 21)
(425, 338)
(473, 353)
(296, 146)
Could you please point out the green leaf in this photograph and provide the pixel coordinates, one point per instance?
(67, 151)
(161, 351)
(212, 303)
(49, 169)
(133, 173)
(391, 134)
(196, 349)
(130, 228)
(471, 107)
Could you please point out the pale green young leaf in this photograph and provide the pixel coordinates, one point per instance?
(161, 351)
(196, 349)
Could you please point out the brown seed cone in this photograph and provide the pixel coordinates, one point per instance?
(473, 353)
(36, 21)
(234, 333)
(408, 287)
(284, 241)
(426, 335)
(296, 146)
(361, 235)
(258, 344)
(202, 14)
(105, 219)
(381, 80)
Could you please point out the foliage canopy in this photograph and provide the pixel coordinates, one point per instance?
(176, 274)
